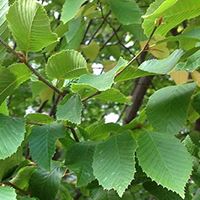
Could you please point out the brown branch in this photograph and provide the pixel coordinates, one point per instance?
(138, 93)
(53, 108)
(136, 57)
(23, 59)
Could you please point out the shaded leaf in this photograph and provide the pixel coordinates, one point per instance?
(79, 159)
(45, 185)
(11, 78)
(42, 143)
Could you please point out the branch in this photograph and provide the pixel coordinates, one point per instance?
(115, 31)
(109, 39)
(100, 26)
(138, 94)
(53, 108)
(74, 134)
(23, 59)
(91, 96)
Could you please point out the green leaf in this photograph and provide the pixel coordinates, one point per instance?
(38, 118)
(7, 193)
(10, 163)
(168, 156)
(173, 13)
(130, 73)
(167, 108)
(45, 185)
(4, 6)
(42, 143)
(11, 78)
(11, 135)
(192, 63)
(30, 26)
(127, 12)
(41, 90)
(101, 194)
(160, 192)
(70, 109)
(114, 162)
(79, 159)
(163, 66)
(67, 64)
(75, 34)
(4, 108)
(104, 81)
(70, 9)
(113, 95)
(99, 131)
(22, 178)
(196, 102)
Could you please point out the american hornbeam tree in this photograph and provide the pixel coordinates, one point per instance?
(99, 99)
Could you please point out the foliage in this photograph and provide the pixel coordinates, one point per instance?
(68, 68)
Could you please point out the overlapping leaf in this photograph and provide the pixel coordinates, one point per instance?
(66, 64)
(70, 109)
(104, 81)
(70, 9)
(127, 12)
(45, 185)
(79, 159)
(165, 160)
(42, 143)
(114, 162)
(11, 135)
(11, 78)
(7, 193)
(167, 108)
(163, 66)
(173, 12)
(30, 25)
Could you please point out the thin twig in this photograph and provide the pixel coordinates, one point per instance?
(53, 108)
(115, 31)
(145, 48)
(91, 96)
(23, 59)
(43, 104)
(87, 29)
(109, 39)
(100, 26)
(74, 134)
